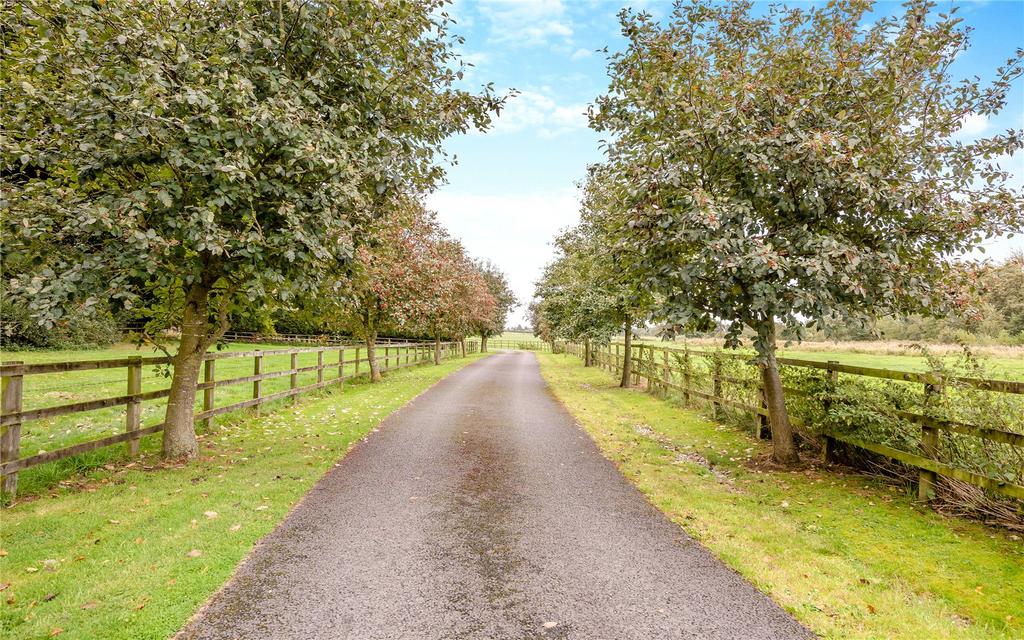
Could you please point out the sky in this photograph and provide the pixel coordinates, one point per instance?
(514, 188)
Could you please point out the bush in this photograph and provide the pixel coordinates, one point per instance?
(18, 330)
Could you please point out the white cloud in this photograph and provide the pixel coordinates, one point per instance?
(474, 60)
(537, 111)
(580, 54)
(972, 125)
(526, 22)
(513, 230)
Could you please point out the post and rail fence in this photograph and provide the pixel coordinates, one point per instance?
(672, 371)
(345, 360)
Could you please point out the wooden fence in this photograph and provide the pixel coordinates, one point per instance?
(333, 366)
(518, 345)
(655, 365)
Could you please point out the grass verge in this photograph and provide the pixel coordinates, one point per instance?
(138, 547)
(847, 555)
(52, 389)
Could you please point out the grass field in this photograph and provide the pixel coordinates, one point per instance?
(1000, 362)
(849, 556)
(132, 550)
(63, 388)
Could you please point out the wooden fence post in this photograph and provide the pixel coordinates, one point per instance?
(617, 370)
(829, 452)
(257, 385)
(761, 427)
(294, 377)
(666, 370)
(320, 366)
(209, 375)
(686, 376)
(637, 360)
(10, 438)
(357, 361)
(133, 412)
(341, 366)
(929, 446)
(716, 380)
(652, 371)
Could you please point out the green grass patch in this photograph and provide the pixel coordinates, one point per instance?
(133, 549)
(47, 390)
(1010, 367)
(847, 555)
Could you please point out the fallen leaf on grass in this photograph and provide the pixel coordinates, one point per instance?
(89, 605)
(56, 632)
(3, 553)
(262, 507)
(195, 553)
(4, 586)
(234, 527)
(210, 514)
(871, 609)
(49, 596)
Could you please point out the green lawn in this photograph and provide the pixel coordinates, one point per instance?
(47, 390)
(1009, 367)
(849, 556)
(521, 336)
(131, 550)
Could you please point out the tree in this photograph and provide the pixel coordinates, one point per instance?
(797, 167)
(382, 290)
(504, 301)
(191, 157)
(1004, 291)
(453, 295)
(574, 302)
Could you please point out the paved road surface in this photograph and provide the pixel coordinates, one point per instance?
(480, 510)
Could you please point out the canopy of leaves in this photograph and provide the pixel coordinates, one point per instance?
(235, 147)
(504, 300)
(797, 166)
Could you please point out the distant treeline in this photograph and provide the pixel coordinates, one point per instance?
(996, 318)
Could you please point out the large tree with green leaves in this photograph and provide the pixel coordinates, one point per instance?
(793, 166)
(574, 298)
(188, 157)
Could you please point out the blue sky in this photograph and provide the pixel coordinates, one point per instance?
(514, 187)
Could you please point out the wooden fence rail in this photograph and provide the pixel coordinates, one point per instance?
(522, 345)
(658, 373)
(397, 355)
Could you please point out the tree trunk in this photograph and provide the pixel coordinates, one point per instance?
(371, 357)
(437, 350)
(586, 352)
(483, 344)
(179, 434)
(783, 445)
(463, 345)
(627, 362)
